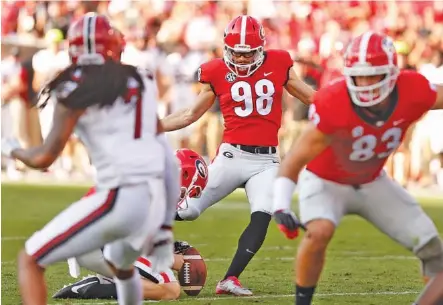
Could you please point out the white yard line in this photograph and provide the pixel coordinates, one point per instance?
(12, 238)
(270, 296)
(290, 258)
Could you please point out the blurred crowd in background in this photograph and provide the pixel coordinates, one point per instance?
(172, 38)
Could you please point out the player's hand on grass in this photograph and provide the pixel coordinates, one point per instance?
(288, 223)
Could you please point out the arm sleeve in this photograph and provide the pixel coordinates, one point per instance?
(203, 73)
(172, 180)
(287, 63)
(321, 115)
(426, 96)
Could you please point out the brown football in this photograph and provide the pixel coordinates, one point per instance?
(192, 276)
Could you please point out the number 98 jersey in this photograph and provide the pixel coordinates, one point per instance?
(251, 106)
(361, 142)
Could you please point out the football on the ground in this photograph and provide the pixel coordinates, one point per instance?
(192, 276)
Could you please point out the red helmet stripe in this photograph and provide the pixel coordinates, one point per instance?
(243, 29)
(363, 48)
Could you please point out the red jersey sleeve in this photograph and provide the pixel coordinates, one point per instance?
(205, 71)
(284, 60)
(321, 113)
(425, 93)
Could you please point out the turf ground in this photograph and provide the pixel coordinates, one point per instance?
(363, 266)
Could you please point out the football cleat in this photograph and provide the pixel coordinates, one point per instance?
(76, 290)
(232, 285)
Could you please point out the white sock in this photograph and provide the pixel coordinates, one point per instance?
(129, 291)
(95, 262)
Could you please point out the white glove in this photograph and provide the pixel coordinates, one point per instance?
(8, 145)
(162, 254)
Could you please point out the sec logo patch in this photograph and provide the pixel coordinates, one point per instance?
(230, 77)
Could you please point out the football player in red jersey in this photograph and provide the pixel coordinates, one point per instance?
(248, 83)
(356, 123)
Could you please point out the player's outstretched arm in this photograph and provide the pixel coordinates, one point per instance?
(43, 156)
(311, 143)
(439, 102)
(187, 116)
(299, 89)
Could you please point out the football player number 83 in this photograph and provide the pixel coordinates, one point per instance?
(242, 92)
(363, 148)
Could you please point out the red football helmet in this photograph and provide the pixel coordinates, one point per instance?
(92, 40)
(367, 55)
(194, 175)
(244, 34)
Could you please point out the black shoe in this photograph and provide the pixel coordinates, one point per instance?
(75, 291)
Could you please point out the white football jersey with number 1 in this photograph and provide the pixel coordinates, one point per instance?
(121, 139)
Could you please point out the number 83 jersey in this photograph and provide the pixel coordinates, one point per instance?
(251, 106)
(361, 142)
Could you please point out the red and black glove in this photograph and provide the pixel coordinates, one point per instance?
(288, 223)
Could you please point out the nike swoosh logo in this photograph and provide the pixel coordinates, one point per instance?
(75, 289)
(269, 73)
(398, 122)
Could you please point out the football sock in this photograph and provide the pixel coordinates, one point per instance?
(129, 291)
(303, 295)
(100, 291)
(249, 243)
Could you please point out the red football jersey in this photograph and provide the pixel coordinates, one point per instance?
(251, 106)
(359, 148)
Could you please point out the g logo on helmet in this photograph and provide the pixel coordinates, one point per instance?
(262, 33)
(201, 168)
(388, 45)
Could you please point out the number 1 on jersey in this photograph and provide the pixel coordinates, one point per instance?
(242, 92)
(133, 96)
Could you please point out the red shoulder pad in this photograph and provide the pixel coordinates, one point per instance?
(422, 91)
(282, 57)
(324, 110)
(208, 70)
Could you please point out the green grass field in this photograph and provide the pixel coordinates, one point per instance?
(363, 266)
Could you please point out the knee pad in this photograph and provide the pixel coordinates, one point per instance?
(121, 255)
(431, 256)
(190, 213)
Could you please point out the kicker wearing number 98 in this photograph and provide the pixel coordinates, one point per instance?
(249, 83)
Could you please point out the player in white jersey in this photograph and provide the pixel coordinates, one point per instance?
(112, 107)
